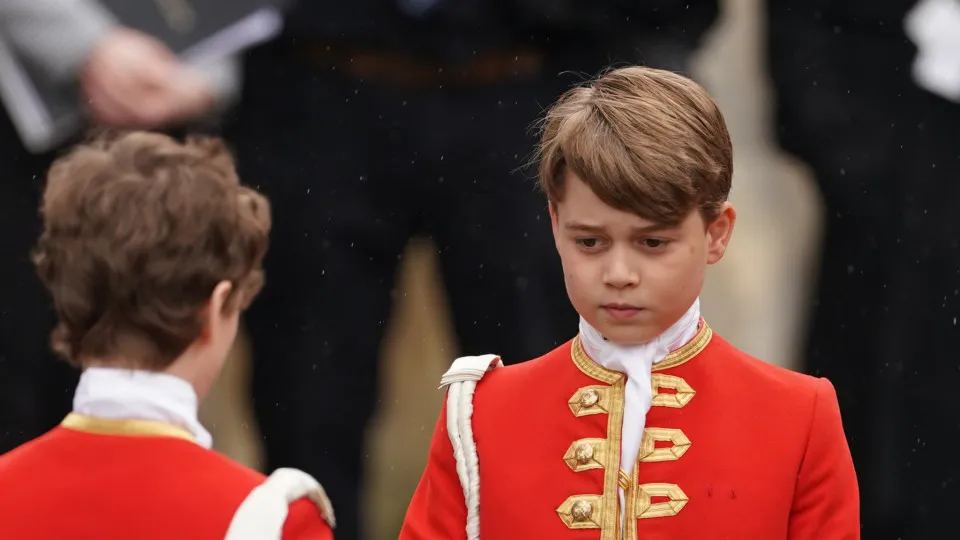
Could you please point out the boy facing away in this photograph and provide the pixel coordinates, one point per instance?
(647, 424)
(151, 249)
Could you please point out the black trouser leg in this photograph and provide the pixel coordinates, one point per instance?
(317, 148)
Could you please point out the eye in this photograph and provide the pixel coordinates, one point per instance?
(655, 243)
(588, 243)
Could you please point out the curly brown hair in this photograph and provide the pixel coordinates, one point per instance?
(138, 231)
(646, 141)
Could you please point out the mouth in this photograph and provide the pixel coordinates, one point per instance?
(621, 311)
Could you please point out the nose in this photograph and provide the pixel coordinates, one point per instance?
(620, 273)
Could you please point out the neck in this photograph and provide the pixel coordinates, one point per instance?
(187, 370)
(187, 367)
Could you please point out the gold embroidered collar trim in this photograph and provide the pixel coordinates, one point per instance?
(124, 427)
(680, 356)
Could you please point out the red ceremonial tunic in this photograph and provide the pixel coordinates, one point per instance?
(100, 479)
(733, 448)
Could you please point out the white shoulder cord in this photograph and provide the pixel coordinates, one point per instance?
(462, 378)
(262, 514)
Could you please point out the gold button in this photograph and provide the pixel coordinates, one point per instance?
(582, 511)
(584, 453)
(589, 398)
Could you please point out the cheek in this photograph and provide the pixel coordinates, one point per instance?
(682, 270)
(576, 275)
(572, 274)
(568, 259)
(695, 267)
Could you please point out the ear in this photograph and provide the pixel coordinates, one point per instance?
(719, 232)
(215, 310)
(220, 296)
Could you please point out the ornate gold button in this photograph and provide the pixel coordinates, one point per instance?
(582, 511)
(584, 453)
(589, 398)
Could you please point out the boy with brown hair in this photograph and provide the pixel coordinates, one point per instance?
(151, 249)
(646, 424)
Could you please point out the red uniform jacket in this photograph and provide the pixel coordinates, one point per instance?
(129, 479)
(734, 448)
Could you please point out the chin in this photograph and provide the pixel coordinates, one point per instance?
(628, 334)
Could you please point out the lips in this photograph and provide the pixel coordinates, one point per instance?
(620, 306)
(621, 311)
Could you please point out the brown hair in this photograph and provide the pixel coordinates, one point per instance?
(646, 141)
(138, 231)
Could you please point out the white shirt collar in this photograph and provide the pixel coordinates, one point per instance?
(143, 395)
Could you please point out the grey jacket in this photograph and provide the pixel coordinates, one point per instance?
(59, 35)
(56, 35)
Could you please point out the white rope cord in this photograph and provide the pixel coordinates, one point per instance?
(462, 380)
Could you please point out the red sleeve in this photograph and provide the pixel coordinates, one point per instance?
(304, 522)
(826, 504)
(437, 510)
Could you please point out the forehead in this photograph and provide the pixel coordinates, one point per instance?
(581, 205)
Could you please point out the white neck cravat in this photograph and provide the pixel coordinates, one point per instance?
(636, 362)
(141, 395)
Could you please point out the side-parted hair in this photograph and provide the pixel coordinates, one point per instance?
(646, 141)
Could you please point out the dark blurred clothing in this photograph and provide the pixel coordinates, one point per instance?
(35, 390)
(598, 32)
(367, 126)
(887, 157)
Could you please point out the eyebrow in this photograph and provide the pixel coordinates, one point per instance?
(576, 226)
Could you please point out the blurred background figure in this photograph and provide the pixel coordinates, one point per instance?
(869, 107)
(373, 121)
(128, 79)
